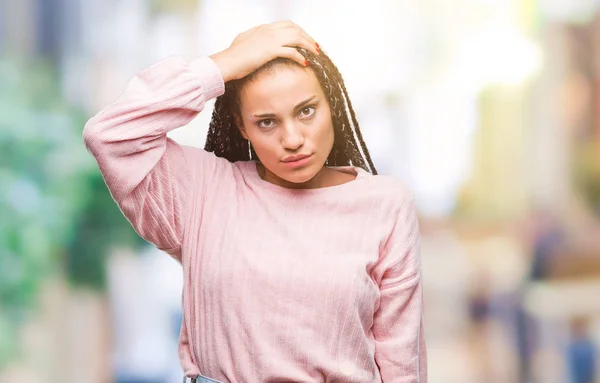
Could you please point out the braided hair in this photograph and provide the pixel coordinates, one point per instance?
(349, 149)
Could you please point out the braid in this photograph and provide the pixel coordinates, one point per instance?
(223, 138)
(355, 127)
(349, 148)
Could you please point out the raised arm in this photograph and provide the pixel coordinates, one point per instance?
(147, 173)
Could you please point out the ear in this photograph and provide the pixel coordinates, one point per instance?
(240, 127)
(243, 132)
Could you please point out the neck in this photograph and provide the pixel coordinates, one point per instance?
(318, 181)
(324, 178)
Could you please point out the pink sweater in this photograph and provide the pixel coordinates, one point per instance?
(280, 285)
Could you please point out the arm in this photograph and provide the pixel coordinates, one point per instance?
(400, 349)
(147, 173)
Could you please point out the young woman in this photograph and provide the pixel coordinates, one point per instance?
(300, 263)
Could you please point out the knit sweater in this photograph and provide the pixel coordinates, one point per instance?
(280, 285)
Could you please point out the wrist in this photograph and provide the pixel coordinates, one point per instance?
(222, 63)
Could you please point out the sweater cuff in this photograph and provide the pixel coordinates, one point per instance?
(210, 77)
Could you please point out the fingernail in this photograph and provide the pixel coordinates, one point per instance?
(305, 62)
(318, 48)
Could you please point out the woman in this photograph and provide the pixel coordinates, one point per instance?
(300, 264)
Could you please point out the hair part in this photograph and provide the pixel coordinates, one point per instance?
(225, 140)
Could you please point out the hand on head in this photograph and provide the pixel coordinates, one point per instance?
(257, 46)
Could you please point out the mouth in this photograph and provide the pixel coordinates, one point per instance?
(295, 158)
(298, 160)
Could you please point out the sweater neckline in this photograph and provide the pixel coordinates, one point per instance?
(361, 174)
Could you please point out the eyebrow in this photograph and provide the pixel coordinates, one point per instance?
(296, 108)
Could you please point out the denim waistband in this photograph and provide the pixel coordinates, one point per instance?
(200, 379)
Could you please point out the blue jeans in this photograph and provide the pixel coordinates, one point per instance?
(200, 379)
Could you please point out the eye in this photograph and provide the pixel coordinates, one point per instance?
(307, 111)
(266, 124)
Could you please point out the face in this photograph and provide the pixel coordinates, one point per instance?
(287, 119)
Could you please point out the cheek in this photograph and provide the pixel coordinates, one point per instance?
(325, 133)
(263, 144)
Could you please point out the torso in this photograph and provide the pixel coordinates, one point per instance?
(269, 267)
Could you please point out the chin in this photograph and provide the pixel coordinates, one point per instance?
(300, 176)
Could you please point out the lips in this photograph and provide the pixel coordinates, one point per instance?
(296, 158)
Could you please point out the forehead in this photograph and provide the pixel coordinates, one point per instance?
(279, 89)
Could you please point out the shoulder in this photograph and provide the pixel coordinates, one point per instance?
(196, 156)
(195, 153)
(206, 165)
(389, 189)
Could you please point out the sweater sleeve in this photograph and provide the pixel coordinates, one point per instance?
(400, 349)
(147, 173)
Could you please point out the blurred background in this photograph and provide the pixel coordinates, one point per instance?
(488, 109)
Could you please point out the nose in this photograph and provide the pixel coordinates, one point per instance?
(292, 136)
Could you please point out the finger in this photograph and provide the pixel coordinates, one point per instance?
(293, 54)
(304, 40)
(315, 47)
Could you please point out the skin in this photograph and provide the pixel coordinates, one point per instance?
(284, 113)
